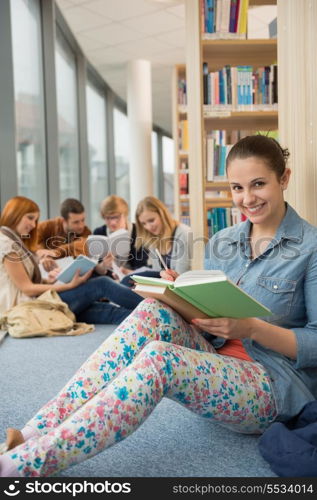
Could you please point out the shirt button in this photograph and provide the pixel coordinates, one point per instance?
(275, 287)
(247, 265)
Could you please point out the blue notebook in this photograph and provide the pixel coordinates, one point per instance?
(81, 262)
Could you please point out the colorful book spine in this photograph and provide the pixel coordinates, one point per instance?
(221, 217)
(243, 15)
(209, 13)
(233, 13)
(237, 16)
(205, 82)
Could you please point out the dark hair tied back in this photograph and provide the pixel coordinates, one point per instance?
(263, 147)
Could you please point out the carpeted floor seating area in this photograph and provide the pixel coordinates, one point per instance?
(173, 442)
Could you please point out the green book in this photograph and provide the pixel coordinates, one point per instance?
(209, 292)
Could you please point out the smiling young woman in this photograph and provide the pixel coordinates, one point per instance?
(257, 185)
(245, 373)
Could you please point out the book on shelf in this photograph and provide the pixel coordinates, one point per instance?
(219, 218)
(242, 17)
(182, 92)
(183, 135)
(217, 144)
(81, 263)
(205, 82)
(240, 88)
(183, 182)
(223, 19)
(201, 294)
(217, 150)
(233, 18)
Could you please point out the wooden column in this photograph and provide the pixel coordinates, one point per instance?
(195, 129)
(297, 95)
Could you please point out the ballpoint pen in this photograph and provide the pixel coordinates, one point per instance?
(161, 259)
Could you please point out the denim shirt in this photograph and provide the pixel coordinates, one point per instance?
(284, 279)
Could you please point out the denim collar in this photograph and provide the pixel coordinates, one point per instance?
(291, 228)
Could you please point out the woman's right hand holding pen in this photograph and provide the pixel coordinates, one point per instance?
(169, 274)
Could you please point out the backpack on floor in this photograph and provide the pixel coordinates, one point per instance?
(46, 315)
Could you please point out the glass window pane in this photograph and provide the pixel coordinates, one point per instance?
(66, 87)
(121, 149)
(98, 168)
(155, 164)
(29, 101)
(168, 172)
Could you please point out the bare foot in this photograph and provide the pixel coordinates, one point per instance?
(14, 438)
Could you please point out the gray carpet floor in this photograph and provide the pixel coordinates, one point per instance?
(173, 442)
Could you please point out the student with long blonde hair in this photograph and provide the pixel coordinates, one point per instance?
(156, 229)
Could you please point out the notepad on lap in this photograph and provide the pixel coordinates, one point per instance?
(201, 294)
(83, 263)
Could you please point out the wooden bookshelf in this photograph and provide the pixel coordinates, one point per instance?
(219, 186)
(202, 119)
(251, 120)
(257, 3)
(237, 52)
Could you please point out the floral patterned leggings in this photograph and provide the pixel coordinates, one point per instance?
(153, 353)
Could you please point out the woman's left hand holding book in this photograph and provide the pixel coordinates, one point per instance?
(227, 328)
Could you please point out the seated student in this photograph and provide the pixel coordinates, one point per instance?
(243, 373)
(65, 235)
(156, 229)
(21, 279)
(114, 210)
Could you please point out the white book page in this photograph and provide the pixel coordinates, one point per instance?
(148, 280)
(61, 263)
(200, 276)
(118, 243)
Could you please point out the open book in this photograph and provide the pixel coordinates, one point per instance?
(83, 263)
(118, 243)
(201, 294)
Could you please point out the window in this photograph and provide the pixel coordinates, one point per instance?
(98, 169)
(29, 101)
(121, 149)
(168, 172)
(66, 87)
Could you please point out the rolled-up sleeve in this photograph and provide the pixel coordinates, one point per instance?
(307, 336)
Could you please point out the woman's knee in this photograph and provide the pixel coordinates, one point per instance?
(158, 351)
(156, 354)
(149, 305)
